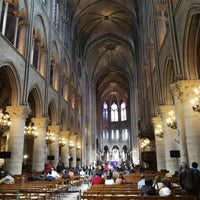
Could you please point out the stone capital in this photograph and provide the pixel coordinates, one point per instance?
(18, 111)
(184, 90)
(165, 109)
(54, 129)
(40, 122)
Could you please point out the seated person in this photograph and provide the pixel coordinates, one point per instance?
(109, 180)
(33, 177)
(97, 179)
(43, 175)
(7, 179)
(148, 189)
(141, 182)
(54, 173)
(166, 189)
(158, 184)
(65, 174)
(120, 179)
(50, 177)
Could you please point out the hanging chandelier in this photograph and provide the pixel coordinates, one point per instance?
(4, 120)
(30, 131)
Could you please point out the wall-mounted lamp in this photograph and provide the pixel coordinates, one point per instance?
(62, 141)
(30, 131)
(50, 138)
(4, 120)
(78, 146)
(171, 120)
(146, 142)
(159, 131)
(195, 101)
(71, 144)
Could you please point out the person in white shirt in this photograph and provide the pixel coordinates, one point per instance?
(7, 179)
(166, 189)
(141, 182)
(109, 180)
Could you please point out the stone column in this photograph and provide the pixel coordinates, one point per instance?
(55, 145)
(21, 37)
(39, 158)
(73, 150)
(1, 7)
(5, 17)
(65, 149)
(160, 151)
(170, 139)
(180, 121)
(191, 118)
(18, 115)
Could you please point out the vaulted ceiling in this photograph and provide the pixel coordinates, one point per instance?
(105, 32)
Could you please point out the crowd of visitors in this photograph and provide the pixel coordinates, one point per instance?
(104, 173)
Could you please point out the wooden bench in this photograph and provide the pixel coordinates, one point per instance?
(136, 197)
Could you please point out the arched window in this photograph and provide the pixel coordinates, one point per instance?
(105, 111)
(124, 134)
(114, 112)
(123, 112)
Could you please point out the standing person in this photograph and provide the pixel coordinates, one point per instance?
(196, 182)
(141, 182)
(189, 179)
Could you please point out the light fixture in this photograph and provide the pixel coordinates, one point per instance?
(30, 131)
(146, 142)
(4, 120)
(195, 101)
(62, 141)
(171, 120)
(158, 131)
(50, 138)
(78, 146)
(71, 144)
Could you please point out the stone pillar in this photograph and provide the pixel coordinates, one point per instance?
(21, 36)
(180, 121)
(78, 153)
(1, 7)
(191, 118)
(170, 139)
(39, 158)
(5, 17)
(73, 150)
(18, 115)
(65, 149)
(160, 151)
(55, 145)
(43, 61)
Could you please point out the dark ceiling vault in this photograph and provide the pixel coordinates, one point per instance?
(105, 32)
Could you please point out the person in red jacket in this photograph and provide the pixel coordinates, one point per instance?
(97, 179)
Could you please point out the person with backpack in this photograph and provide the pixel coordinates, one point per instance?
(196, 182)
(189, 179)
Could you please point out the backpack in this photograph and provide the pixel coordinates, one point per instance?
(191, 180)
(188, 181)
